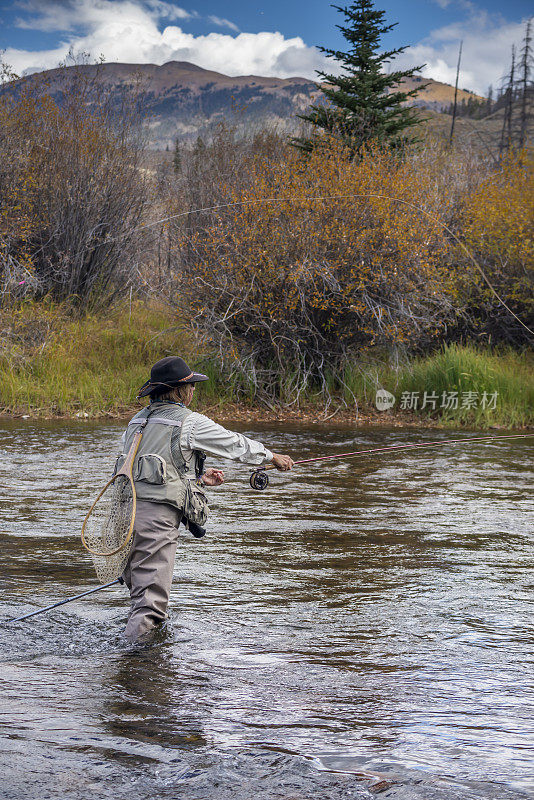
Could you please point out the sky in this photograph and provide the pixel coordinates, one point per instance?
(275, 38)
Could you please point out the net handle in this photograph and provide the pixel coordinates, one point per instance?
(127, 467)
(125, 470)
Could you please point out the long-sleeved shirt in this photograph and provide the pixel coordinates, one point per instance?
(201, 433)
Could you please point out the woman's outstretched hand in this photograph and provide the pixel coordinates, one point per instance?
(283, 463)
(213, 477)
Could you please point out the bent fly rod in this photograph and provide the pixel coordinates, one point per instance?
(260, 480)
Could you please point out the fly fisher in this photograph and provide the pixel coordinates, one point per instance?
(169, 477)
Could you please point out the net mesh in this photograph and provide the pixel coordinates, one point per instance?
(106, 531)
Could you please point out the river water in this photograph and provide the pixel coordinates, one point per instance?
(362, 628)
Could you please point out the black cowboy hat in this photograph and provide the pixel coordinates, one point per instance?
(168, 373)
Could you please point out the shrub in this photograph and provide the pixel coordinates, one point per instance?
(288, 289)
(497, 226)
(72, 190)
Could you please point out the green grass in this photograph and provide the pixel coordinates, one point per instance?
(53, 364)
(458, 369)
(221, 387)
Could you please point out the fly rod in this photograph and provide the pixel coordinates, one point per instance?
(260, 480)
(67, 600)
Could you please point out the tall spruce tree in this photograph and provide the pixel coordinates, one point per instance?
(360, 107)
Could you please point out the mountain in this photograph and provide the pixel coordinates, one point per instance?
(182, 100)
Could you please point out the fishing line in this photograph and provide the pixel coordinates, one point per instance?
(430, 216)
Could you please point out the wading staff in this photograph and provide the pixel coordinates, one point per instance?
(67, 600)
(260, 480)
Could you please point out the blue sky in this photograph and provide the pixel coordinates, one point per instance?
(247, 37)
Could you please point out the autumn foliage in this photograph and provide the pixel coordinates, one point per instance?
(497, 225)
(71, 194)
(321, 257)
(294, 268)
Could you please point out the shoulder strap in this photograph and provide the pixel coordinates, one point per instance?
(160, 420)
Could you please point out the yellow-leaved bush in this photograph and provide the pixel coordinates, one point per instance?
(497, 226)
(320, 257)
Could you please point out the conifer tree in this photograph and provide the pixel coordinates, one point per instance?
(362, 103)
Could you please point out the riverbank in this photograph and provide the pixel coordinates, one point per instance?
(55, 366)
(228, 413)
(239, 413)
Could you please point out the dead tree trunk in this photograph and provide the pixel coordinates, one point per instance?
(455, 95)
(506, 132)
(526, 57)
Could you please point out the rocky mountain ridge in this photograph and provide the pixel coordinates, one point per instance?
(182, 100)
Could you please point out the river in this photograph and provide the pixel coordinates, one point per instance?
(362, 628)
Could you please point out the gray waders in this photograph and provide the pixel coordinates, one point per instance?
(149, 571)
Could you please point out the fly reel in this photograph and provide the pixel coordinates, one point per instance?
(259, 480)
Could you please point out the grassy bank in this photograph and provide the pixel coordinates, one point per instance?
(54, 365)
(458, 385)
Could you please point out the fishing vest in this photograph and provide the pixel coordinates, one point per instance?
(160, 474)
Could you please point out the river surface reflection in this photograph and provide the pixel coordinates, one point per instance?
(362, 628)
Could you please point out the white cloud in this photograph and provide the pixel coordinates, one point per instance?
(223, 23)
(45, 16)
(68, 15)
(142, 31)
(129, 31)
(169, 11)
(486, 51)
(466, 5)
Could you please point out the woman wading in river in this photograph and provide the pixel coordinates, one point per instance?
(169, 474)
